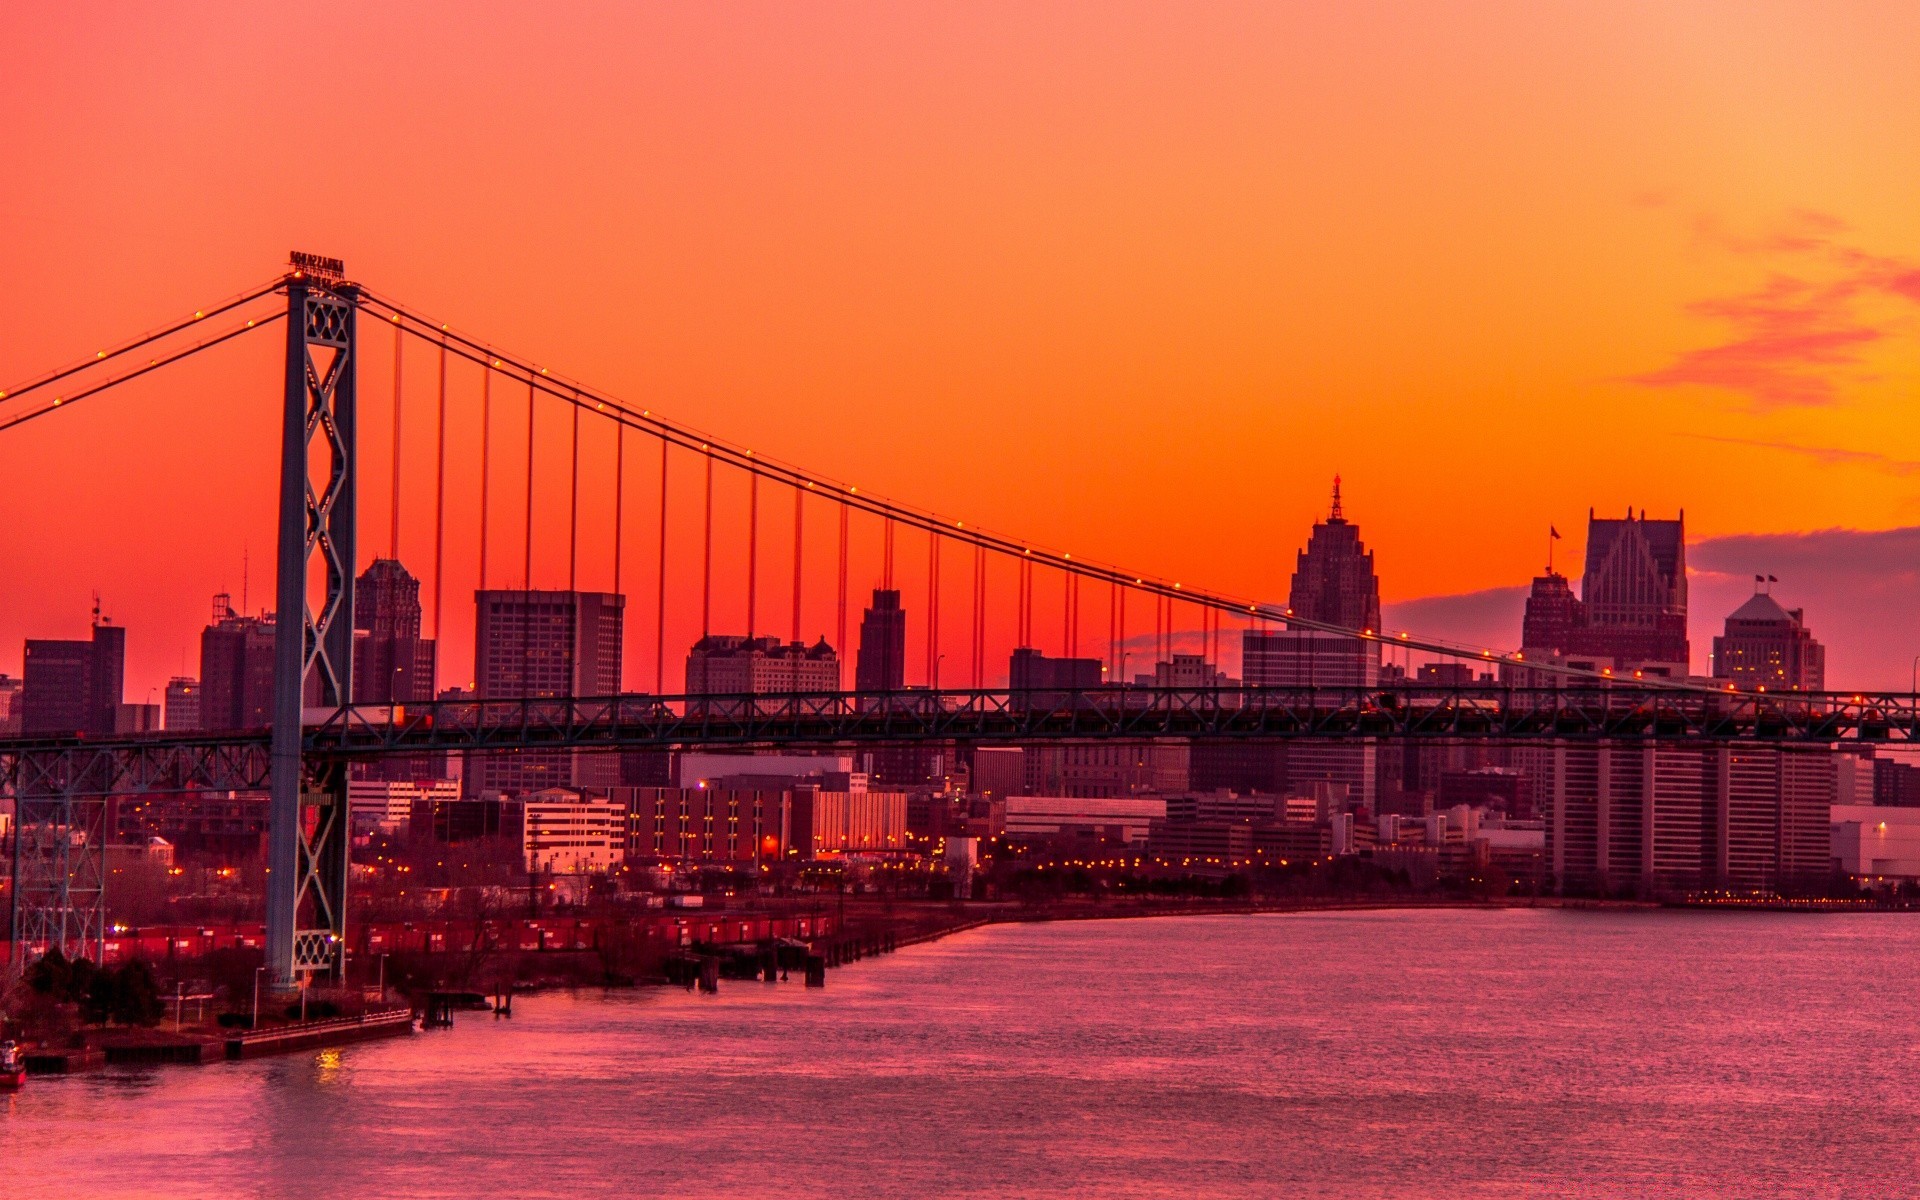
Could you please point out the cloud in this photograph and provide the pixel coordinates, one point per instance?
(1795, 336)
(1831, 455)
(1489, 618)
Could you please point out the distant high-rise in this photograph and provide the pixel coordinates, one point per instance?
(9, 705)
(73, 686)
(1333, 582)
(1554, 617)
(543, 645)
(181, 709)
(1768, 646)
(1035, 679)
(392, 663)
(1333, 577)
(730, 665)
(881, 664)
(1634, 596)
(236, 670)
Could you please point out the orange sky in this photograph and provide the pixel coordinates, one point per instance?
(1130, 279)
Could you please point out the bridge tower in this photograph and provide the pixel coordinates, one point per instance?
(313, 641)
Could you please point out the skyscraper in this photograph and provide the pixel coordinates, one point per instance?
(236, 670)
(544, 645)
(181, 710)
(392, 663)
(881, 664)
(1768, 646)
(73, 686)
(1333, 582)
(1634, 596)
(1333, 578)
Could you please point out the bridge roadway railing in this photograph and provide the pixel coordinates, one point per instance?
(238, 759)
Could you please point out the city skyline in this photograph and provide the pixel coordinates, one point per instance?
(1393, 341)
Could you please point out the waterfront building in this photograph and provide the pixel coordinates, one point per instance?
(182, 705)
(1186, 671)
(73, 686)
(731, 665)
(881, 664)
(744, 826)
(1655, 819)
(1767, 646)
(565, 833)
(1875, 844)
(538, 645)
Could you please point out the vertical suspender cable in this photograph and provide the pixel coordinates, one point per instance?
(1113, 632)
(486, 461)
(933, 609)
(526, 577)
(840, 630)
(573, 508)
(706, 558)
(1120, 623)
(660, 602)
(799, 514)
(886, 557)
(753, 546)
(619, 496)
(440, 497)
(979, 613)
(526, 571)
(393, 536)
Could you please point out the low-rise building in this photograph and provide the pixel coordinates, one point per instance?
(570, 834)
(1113, 818)
(1876, 842)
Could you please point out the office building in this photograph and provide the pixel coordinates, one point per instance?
(181, 706)
(74, 686)
(832, 823)
(881, 664)
(1037, 680)
(565, 833)
(705, 824)
(392, 663)
(236, 670)
(1633, 598)
(1767, 646)
(10, 710)
(730, 665)
(1653, 819)
(544, 645)
(1088, 820)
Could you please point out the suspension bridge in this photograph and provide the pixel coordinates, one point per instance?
(959, 575)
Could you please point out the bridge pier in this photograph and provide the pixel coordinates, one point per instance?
(308, 828)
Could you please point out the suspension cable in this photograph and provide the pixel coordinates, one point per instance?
(440, 502)
(147, 339)
(152, 365)
(660, 602)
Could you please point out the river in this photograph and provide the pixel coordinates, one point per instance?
(1457, 1053)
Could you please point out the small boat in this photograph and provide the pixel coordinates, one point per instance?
(13, 1066)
